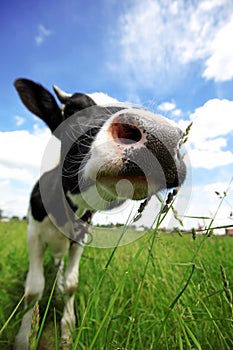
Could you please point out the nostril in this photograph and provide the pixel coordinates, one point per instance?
(125, 134)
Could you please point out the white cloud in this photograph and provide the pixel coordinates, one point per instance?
(14, 198)
(166, 106)
(177, 112)
(19, 120)
(219, 66)
(102, 98)
(204, 203)
(20, 156)
(13, 172)
(43, 33)
(22, 149)
(207, 143)
(211, 120)
(210, 158)
(169, 109)
(211, 4)
(156, 39)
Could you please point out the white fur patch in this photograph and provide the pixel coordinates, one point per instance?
(48, 235)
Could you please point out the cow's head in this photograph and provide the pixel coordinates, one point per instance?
(128, 152)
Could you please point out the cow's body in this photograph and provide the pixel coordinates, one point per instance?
(100, 148)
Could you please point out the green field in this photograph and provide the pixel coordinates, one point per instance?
(163, 291)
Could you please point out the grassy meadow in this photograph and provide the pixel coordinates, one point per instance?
(162, 291)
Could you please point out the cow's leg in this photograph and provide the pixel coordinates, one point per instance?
(59, 264)
(71, 283)
(33, 289)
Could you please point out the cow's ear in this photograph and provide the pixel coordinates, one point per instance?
(39, 101)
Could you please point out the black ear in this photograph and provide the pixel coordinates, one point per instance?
(40, 102)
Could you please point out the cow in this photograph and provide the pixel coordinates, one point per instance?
(100, 146)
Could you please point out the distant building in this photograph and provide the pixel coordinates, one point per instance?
(139, 228)
(219, 231)
(5, 219)
(229, 231)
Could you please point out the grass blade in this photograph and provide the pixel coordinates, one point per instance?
(172, 306)
(35, 345)
(11, 315)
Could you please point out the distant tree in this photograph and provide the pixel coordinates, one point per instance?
(1, 211)
(119, 225)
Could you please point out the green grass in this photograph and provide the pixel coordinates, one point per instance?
(160, 292)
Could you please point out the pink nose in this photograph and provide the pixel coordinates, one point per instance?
(125, 134)
(126, 131)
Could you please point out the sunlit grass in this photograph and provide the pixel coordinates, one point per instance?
(172, 294)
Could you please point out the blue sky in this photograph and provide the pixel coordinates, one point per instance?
(174, 57)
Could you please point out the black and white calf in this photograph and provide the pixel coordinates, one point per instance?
(100, 147)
